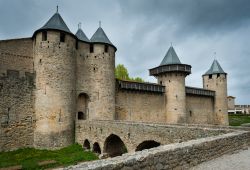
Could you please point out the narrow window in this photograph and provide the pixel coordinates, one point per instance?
(218, 75)
(210, 76)
(76, 44)
(91, 48)
(44, 36)
(160, 82)
(62, 37)
(106, 48)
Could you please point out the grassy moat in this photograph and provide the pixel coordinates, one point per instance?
(237, 119)
(30, 158)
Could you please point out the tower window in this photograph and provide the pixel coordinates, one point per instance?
(106, 48)
(44, 36)
(210, 76)
(76, 44)
(160, 82)
(62, 37)
(218, 75)
(91, 48)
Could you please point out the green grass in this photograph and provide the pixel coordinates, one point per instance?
(237, 120)
(30, 157)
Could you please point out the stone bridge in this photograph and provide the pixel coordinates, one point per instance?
(113, 138)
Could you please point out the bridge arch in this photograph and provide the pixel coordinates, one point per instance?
(96, 148)
(147, 145)
(86, 144)
(114, 146)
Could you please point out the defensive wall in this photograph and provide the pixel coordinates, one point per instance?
(116, 137)
(146, 102)
(16, 110)
(176, 155)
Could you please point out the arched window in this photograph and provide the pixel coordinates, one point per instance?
(82, 106)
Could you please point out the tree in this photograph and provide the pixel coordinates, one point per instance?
(121, 72)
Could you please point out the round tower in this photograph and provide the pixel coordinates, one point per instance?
(171, 73)
(54, 64)
(100, 82)
(216, 79)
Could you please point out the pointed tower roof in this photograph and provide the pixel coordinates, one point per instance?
(170, 57)
(100, 36)
(215, 68)
(55, 23)
(80, 34)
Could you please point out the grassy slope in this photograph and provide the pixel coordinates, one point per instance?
(237, 120)
(29, 157)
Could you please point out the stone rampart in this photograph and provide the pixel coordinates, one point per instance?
(16, 110)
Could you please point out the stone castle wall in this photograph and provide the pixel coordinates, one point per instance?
(218, 83)
(16, 54)
(175, 96)
(96, 78)
(140, 106)
(200, 109)
(55, 102)
(16, 111)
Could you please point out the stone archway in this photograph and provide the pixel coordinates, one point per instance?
(114, 146)
(96, 148)
(147, 145)
(82, 106)
(86, 145)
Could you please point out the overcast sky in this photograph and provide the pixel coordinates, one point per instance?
(142, 31)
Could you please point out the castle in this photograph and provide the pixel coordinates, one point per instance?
(54, 78)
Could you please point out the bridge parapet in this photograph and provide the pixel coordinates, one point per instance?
(130, 136)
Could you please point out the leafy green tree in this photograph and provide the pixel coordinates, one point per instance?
(121, 72)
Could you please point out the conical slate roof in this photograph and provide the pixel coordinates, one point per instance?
(215, 68)
(55, 23)
(100, 37)
(81, 36)
(171, 57)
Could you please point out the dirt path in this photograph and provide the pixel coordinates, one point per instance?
(236, 161)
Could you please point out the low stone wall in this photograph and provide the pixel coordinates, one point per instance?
(174, 156)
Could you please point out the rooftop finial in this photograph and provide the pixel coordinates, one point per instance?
(100, 23)
(57, 9)
(79, 25)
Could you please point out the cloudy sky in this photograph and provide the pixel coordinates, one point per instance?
(142, 31)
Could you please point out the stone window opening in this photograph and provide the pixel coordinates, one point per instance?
(210, 76)
(160, 82)
(91, 48)
(106, 48)
(62, 37)
(190, 113)
(82, 106)
(81, 116)
(44, 36)
(76, 44)
(218, 75)
(147, 145)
